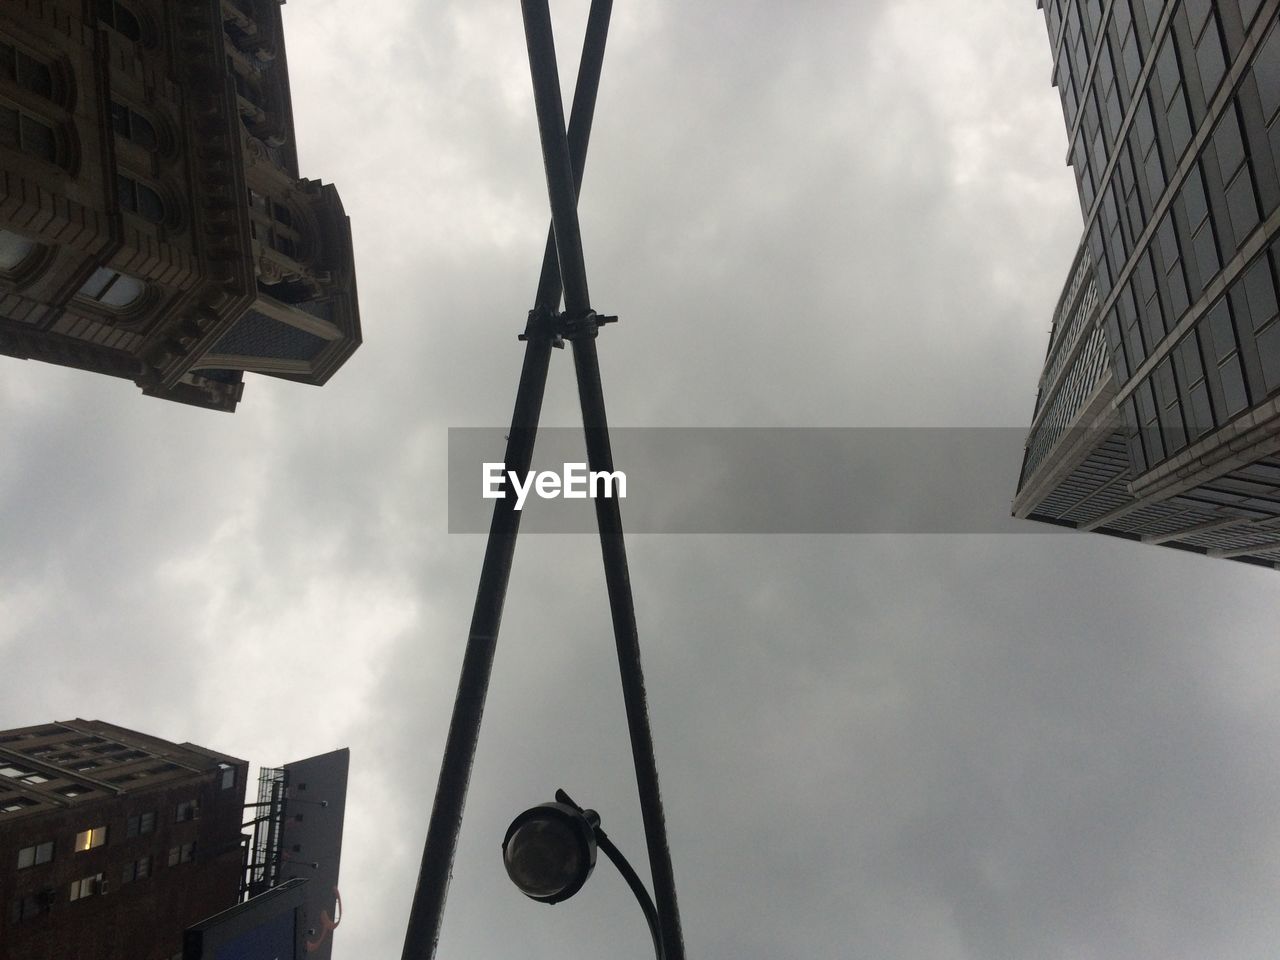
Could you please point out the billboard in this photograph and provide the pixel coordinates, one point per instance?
(265, 927)
(311, 842)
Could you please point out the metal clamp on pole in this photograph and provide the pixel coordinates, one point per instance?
(544, 325)
(583, 327)
(559, 327)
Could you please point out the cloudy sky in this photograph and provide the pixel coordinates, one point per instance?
(954, 747)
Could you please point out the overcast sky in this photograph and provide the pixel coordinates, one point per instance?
(894, 747)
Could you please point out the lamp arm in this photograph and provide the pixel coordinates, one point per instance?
(624, 867)
(637, 887)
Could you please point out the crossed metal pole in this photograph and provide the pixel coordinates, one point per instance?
(563, 273)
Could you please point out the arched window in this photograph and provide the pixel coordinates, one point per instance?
(112, 289)
(27, 132)
(120, 18)
(25, 71)
(14, 251)
(139, 198)
(133, 126)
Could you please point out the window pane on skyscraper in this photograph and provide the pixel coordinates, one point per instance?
(1266, 69)
(1260, 292)
(1269, 355)
(1233, 386)
(1242, 206)
(1210, 59)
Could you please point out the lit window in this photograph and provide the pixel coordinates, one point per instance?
(86, 887)
(22, 131)
(37, 854)
(88, 839)
(111, 288)
(119, 17)
(139, 198)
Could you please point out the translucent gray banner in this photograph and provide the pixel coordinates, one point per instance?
(754, 480)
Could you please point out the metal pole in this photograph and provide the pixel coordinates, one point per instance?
(637, 888)
(564, 218)
(624, 867)
(427, 910)
(627, 640)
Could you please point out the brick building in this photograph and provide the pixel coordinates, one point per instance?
(113, 842)
(153, 223)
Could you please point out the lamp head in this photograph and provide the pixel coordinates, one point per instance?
(549, 851)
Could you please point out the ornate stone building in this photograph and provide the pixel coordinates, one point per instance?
(153, 224)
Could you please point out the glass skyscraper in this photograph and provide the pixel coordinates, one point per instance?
(1158, 412)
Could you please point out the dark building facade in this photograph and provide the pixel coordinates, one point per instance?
(1158, 412)
(113, 842)
(153, 222)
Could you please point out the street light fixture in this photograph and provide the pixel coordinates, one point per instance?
(550, 850)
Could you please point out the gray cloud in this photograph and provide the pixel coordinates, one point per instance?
(886, 746)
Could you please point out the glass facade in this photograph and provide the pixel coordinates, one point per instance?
(1172, 112)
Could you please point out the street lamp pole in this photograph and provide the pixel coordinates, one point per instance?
(563, 270)
(427, 910)
(556, 159)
